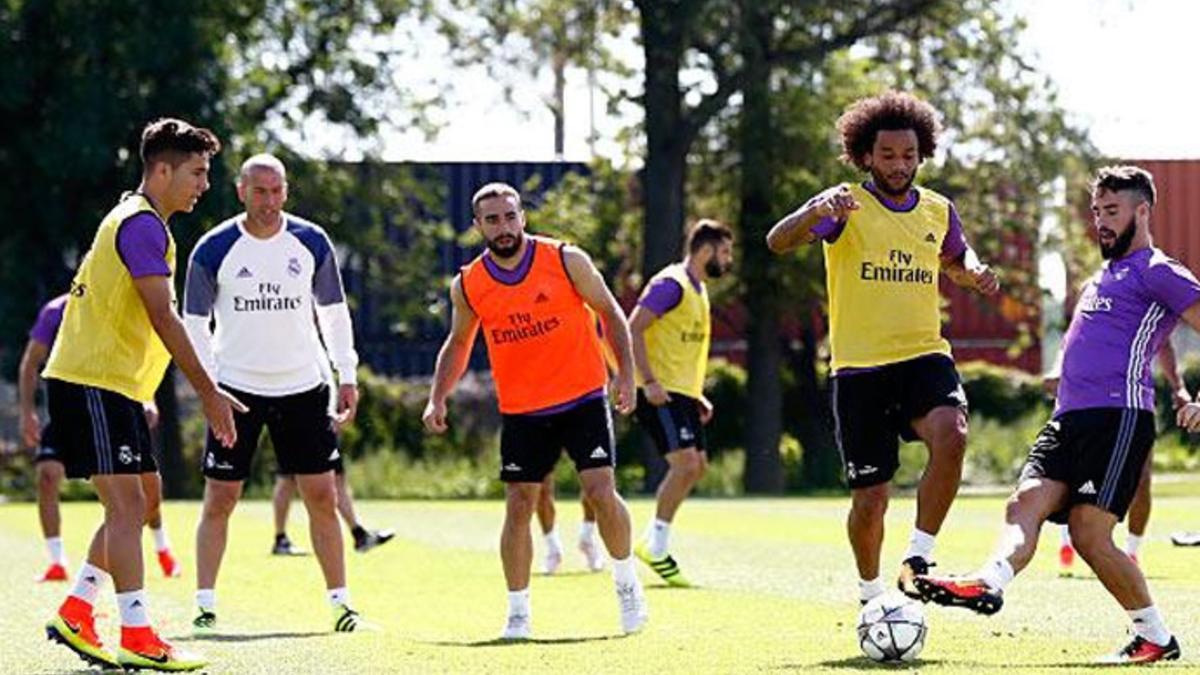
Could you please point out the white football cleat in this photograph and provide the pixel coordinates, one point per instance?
(593, 554)
(633, 607)
(553, 561)
(516, 628)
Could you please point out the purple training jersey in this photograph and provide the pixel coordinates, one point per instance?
(1125, 312)
(45, 329)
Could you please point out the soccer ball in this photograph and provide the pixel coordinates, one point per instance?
(891, 628)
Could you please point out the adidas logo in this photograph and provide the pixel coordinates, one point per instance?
(1087, 488)
(244, 273)
(333, 456)
(541, 297)
(930, 238)
(512, 467)
(136, 603)
(685, 434)
(599, 453)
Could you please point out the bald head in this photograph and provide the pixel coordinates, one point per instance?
(262, 162)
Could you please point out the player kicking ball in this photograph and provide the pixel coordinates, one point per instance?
(1085, 465)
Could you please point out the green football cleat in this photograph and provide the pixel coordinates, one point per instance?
(205, 623)
(665, 567)
(142, 649)
(82, 640)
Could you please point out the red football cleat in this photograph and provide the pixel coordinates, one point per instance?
(1142, 650)
(959, 592)
(170, 566)
(55, 572)
(1066, 556)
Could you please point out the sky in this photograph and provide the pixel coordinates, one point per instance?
(1123, 68)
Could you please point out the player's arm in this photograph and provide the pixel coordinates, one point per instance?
(452, 358)
(31, 364)
(960, 263)
(798, 227)
(1170, 369)
(155, 292)
(337, 333)
(591, 286)
(1188, 415)
(639, 321)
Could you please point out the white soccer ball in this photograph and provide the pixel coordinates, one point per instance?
(891, 628)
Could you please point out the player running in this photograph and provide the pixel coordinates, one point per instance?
(119, 332)
(531, 295)
(262, 275)
(1085, 465)
(671, 328)
(885, 240)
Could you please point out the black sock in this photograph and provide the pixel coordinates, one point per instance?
(282, 536)
(359, 532)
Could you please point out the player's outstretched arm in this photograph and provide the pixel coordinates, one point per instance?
(639, 321)
(31, 364)
(155, 292)
(452, 358)
(968, 271)
(1188, 415)
(591, 286)
(796, 228)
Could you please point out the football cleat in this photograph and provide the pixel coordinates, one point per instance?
(1141, 650)
(141, 648)
(1185, 538)
(516, 627)
(169, 565)
(633, 607)
(973, 594)
(346, 620)
(75, 628)
(373, 538)
(552, 561)
(665, 567)
(284, 546)
(593, 555)
(909, 569)
(1066, 558)
(204, 623)
(55, 572)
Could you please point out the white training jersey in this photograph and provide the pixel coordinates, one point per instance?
(267, 298)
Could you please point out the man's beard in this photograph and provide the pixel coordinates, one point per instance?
(714, 269)
(885, 185)
(1120, 245)
(506, 251)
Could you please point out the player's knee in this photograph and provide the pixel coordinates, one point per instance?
(869, 503)
(600, 494)
(219, 504)
(128, 509)
(521, 502)
(1090, 542)
(47, 479)
(689, 465)
(321, 498)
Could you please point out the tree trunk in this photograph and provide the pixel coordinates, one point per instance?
(813, 425)
(666, 143)
(169, 438)
(764, 392)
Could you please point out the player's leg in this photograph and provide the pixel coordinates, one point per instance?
(50, 474)
(588, 545)
(281, 505)
(365, 539)
(516, 554)
(152, 487)
(212, 534)
(546, 519)
(1139, 512)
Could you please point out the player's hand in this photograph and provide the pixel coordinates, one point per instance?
(984, 279)
(150, 410)
(434, 416)
(31, 429)
(1050, 385)
(706, 409)
(347, 405)
(218, 410)
(1188, 417)
(626, 393)
(655, 393)
(1180, 397)
(836, 203)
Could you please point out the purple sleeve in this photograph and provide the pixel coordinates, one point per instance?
(955, 242)
(1173, 285)
(828, 229)
(142, 245)
(45, 329)
(662, 296)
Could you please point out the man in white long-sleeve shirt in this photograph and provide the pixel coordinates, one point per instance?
(262, 275)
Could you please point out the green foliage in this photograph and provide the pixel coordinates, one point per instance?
(1001, 394)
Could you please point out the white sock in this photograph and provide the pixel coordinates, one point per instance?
(1148, 623)
(89, 582)
(997, 574)
(160, 539)
(55, 546)
(869, 590)
(1064, 535)
(339, 597)
(553, 543)
(206, 599)
(1132, 543)
(920, 544)
(587, 530)
(518, 602)
(133, 608)
(656, 537)
(623, 572)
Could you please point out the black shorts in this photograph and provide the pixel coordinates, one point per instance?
(301, 430)
(1098, 452)
(673, 425)
(872, 410)
(530, 445)
(99, 432)
(48, 449)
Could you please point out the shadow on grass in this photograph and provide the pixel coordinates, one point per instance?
(248, 637)
(859, 663)
(568, 573)
(501, 642)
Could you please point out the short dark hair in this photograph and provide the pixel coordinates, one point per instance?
(172, 140)
(493, 190)
(707, 231)
(890, 111)
(1126, 178)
